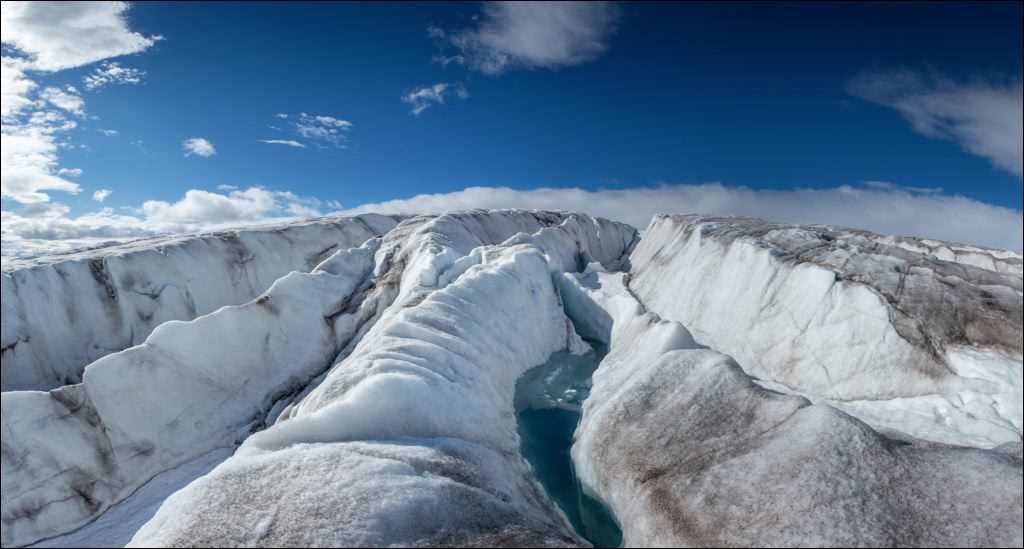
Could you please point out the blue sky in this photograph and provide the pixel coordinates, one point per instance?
(820, 101)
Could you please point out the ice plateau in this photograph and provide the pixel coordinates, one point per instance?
(354, 378)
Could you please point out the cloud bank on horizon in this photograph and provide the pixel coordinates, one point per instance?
(875, 206)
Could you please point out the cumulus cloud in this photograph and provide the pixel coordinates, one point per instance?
(28, 155)
(547, 35)
(204, 207)
(198, 146)
(286, 142)
(70, 172)
(984, 118)
(63, 35)
(423, 98)
(46, 227)
(112, 73)
(15, 87)
(101, 195)
(888, 211)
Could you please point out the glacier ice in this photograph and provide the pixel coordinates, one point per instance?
(689, 451)
(62, 312)
(763, 384)
(849, 318)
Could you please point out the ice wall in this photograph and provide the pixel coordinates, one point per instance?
(877, 325)
(62, 312)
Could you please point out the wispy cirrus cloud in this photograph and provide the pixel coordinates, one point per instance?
(285, 142)
(317, 129)
(985, 118)
(421, 99)
(548, 35)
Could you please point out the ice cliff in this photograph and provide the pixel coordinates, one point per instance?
(764, 384)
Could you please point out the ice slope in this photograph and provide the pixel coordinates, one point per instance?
(906, 334)
(62, 312)
(118, 524)
(419, 416)
(193, 386)
(688, 450)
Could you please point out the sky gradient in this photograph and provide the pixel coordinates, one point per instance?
(174, 117)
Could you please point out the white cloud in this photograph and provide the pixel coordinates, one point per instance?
(47, 37)
(63, 35)
(28, 155)
(227, 187)
(889, 186)
(986, 119)
(66, 99)
(112, 73)
(547, 35)
(46, 227)
(198, 146)
(287, 142)
(423, 98)
(320, 130)
(108, 133)
(101, 195)
(15, 87)
(884, 211)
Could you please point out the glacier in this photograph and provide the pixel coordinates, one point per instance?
(352, 381)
